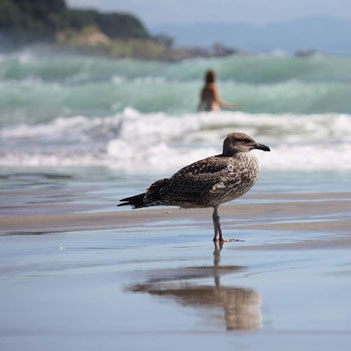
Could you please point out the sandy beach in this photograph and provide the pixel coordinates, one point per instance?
(152, 279)
(326, 211)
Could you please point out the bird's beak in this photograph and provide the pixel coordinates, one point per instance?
(262, 147)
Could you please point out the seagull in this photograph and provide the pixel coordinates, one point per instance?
(209, 182)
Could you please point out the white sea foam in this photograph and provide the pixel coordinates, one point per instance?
(137, 142)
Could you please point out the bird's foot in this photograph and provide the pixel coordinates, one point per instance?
(228, 240)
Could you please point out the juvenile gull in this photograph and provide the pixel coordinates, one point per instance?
(209, 182)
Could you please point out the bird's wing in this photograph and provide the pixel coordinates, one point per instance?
(197, 179)
(153, 191)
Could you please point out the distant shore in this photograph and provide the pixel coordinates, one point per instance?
(139, 49)
(88, 31)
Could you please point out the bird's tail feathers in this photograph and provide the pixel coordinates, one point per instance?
(135, 201)
(150, 198)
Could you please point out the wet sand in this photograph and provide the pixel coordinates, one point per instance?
(285, 212)
(153, 280)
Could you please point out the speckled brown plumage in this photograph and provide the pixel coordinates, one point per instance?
(209, 182)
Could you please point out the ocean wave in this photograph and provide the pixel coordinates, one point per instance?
(162, 158)
(190, 127)
(256, 69)
(35, 89)
(136, 142)
(33, 100)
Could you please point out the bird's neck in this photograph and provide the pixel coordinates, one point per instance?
(231, 153)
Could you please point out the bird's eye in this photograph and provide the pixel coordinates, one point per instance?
(244, 140)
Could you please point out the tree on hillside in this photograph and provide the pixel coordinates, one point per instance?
(28, 20)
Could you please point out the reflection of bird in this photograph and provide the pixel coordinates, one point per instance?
(209, 182)
(242, 307)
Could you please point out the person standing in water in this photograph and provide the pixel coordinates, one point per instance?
(209, 98)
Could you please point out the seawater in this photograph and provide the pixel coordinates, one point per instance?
(135, 116)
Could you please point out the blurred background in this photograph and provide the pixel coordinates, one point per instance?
(114, 86)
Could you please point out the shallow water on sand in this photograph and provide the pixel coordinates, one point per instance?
(157, 287)
(28, 191)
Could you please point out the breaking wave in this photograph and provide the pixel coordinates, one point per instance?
(154, 142)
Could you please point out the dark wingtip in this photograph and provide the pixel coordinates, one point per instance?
(124, 204)
(135, 201)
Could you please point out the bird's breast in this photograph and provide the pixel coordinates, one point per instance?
(242, 173)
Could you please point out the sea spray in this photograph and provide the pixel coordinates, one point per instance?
(137, 142)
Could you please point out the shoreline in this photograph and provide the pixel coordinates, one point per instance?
(290, 212)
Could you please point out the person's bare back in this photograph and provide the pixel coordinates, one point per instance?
(209, 97)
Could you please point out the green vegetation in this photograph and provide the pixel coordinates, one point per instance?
(32, 20)
(116, 35)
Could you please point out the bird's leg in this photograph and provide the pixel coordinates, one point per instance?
(214, 223)
(217, 225)
(217, 228)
